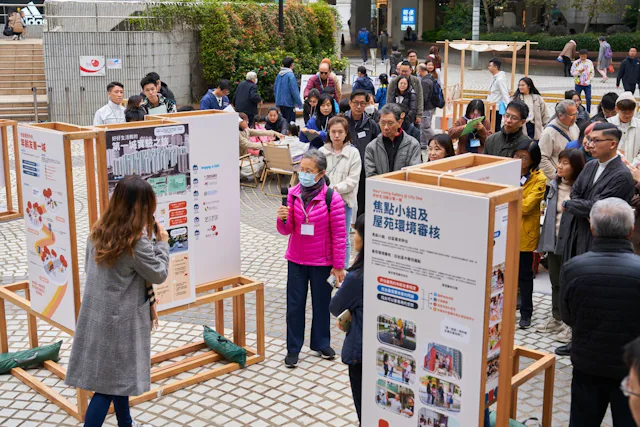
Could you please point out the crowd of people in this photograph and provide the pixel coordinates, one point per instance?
(584, 169)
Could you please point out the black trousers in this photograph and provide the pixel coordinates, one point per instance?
(590, 397)
(361, 194)
(289, 113)
(525, 284)
(498, 122)
(629, 88)
(567, 66)
(355, 376)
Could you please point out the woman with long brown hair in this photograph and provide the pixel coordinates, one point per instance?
(112, 344)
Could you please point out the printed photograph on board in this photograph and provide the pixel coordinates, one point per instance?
(440, 394)
(495, 335)
(429, 418)
(396, 366)
(443, 361)
(395, 398)
(497, 278)
(496, 306)
(397, 332)
(493, 366)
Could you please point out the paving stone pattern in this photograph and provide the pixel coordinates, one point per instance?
(267, 394)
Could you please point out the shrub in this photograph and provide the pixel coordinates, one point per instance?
(616, 29)
(558, 30)
(430, 36)
(534, 29)
(458, 18)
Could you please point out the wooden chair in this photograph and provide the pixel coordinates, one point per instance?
(277, 159)
(256, 182)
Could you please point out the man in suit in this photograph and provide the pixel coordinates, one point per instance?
(606, 176)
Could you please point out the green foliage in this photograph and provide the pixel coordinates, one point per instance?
(458, 18)
(236, 38)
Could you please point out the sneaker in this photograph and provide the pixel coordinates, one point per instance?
(564, 350)
(564, 335)
(549, 325)
(134, 423)
(525, 322)
(327, 353)
(291, 361)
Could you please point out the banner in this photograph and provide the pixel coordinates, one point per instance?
(161, 156)
(47, 215)
(425, 290)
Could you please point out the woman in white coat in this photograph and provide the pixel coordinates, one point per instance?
(343, 168)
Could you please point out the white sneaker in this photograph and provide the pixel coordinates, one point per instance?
(549, 325)
(134, 423)
(564, 335)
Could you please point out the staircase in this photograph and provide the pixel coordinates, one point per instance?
(22, 69)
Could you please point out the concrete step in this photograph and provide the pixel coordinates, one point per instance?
(10, 62)
(21, 91)
(24, 117)
(27, 71)
(21, 108)
(22, 76)
(17, 100)
(22, 83)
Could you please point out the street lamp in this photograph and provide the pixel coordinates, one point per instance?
(281, 16)
(475, 32)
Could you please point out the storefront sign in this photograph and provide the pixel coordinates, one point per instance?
(408, 18)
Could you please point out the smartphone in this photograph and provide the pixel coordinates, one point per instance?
(344, 319)
(331, 280)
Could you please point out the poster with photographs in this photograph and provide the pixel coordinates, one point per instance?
(424, 323)
(161, 156)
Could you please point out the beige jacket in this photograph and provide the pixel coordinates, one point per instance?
(552, 143)
(630, 141)
(343, 171)
(246, 144)
(540, 115)
(569, 50)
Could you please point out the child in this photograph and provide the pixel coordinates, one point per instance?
(296, 147)
(381, 94)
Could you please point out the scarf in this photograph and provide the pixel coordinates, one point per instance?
(308, 193)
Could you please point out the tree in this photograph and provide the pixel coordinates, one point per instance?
(489, 4)
(594, 8)
(547, 4)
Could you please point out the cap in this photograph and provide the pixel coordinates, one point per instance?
(625, 96)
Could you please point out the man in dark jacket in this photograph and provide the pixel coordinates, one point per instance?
(394, 59)
(405, 71)
(600, 301)
(362, 130)
(161, 86)
(246, 98)
(426, 132)
(218, 98)
(504, 143)
(363, 82)
(629, 72)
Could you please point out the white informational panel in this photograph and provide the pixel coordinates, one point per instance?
(47, 218)
(304, 79)
(425, 287)
(507, 173)
(215, 233)
(161, 155)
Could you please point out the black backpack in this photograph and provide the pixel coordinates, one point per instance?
(437, 96)
(7, 29)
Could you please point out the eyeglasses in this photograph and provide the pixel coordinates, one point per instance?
(324, 72)
(384, 123)
(359, 104)
(595, 141)
(624, 388)
(511, 117)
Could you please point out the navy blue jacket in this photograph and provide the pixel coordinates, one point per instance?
(364, 83)
(349, 297)
(246, 99)
(210, 102)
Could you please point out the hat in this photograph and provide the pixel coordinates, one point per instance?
(625, 96)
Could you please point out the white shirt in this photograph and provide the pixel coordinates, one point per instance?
(601, 168)
(109, 114)
(630, 140)
(498, 89)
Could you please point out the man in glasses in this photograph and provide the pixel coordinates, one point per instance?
(630, 385)
(504, 142)
(556, 135)
(320, 80)
(600, 300)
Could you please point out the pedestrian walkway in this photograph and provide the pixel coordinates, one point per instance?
(317, 393)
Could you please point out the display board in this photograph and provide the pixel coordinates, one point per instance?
(161, 155)
(215, 233)
(47, 188)
(374, 79)
(304, 79)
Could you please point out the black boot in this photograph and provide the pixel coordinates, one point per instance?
(564, 350)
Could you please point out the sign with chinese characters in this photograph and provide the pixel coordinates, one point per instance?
(48, 220)
(161, 156)
(408, 18)
(92, 66)
(425, 292)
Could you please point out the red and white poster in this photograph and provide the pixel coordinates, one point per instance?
(92, 65)
(47, 224)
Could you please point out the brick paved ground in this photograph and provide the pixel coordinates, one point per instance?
(317, 393)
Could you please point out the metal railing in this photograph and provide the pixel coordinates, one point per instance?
(34, 13)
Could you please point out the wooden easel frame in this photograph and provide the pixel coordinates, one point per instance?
(452, 166)
(11, 213)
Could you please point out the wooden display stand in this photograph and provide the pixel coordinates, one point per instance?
(233, 288)
(11, 213)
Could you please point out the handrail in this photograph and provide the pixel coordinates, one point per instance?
(35, 103)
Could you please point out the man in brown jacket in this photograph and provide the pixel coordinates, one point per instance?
(568, 54)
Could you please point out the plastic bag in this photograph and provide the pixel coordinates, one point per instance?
(31, 357)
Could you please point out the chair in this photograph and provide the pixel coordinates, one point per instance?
(256, 182)
(277, 159)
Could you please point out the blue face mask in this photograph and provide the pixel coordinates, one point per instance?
(307, 179)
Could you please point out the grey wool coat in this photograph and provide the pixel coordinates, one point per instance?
(112, 344)
(376, 159)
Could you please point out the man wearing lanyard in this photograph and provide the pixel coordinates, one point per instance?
(113, 112)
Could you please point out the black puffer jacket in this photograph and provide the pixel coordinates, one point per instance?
(601, 301)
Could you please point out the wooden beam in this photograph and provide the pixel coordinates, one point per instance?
(76, 136)
(55, 369)
(260, 321)
(239, 319)
(103, 182)
(462, 55)
(73, 238)
(90, 176)
(218, 296)
(4, 146)
(514, 58)
(177, 352)
(188, 364)
(547, 397)
(26, 305)
(446, 74)
(4, 334)
(526, 58)
(32, 325)
(532, 370)
(214, 286)
(17, 286)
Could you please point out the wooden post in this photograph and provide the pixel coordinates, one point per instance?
(16, 156)
(7, 171)
(547, 397)
(526, 58)
(31, 323)
(4, 334)
(446, 75)
(72, 228)
(462, 52)
(514, 58)
(103, 183)
(90, 173)
(239, 318)
(260, 321)
(513, 413)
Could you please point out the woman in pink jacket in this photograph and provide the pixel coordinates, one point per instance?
(314, 220)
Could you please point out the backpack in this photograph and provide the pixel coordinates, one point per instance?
(327, 198)
(7, 29)
(437, 96)
(363, 37)
(608, 54)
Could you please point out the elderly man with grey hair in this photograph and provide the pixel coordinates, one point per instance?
(601, 301)
(555, 137)
(393, 149)
(246, 98)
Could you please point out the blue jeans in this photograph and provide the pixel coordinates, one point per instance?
(383, 52)
(348, 213)
(298, 278)
(587, 95)
(99, 406)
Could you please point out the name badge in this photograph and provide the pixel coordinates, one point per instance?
(523, 181)
(474, 143)
(362, 134)
(307, 229)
